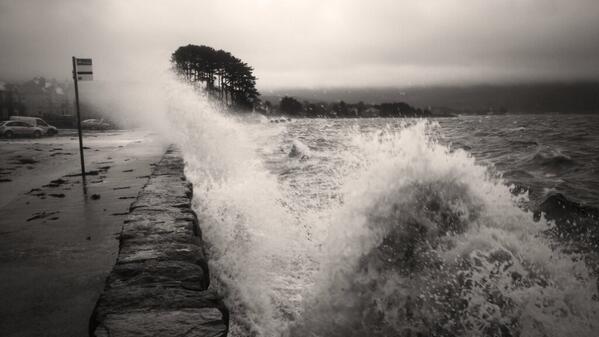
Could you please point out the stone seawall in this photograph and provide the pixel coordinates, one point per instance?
(159, 285)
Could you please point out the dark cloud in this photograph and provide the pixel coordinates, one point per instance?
(311, 42)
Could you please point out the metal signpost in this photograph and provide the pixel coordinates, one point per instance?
(82, 71)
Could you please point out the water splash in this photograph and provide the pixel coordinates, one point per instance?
(427, 243)
(254, 236)
(418, 239)
(299, 150)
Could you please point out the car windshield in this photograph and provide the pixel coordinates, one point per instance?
(41, 122)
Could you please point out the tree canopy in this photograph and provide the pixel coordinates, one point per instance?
(222, 74)
(291, 106)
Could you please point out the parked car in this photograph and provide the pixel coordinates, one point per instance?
(10, 129)
(46, 128)
(96, 124)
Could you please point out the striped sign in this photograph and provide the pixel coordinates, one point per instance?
(84, 70)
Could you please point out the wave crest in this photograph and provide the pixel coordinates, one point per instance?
(428, 244)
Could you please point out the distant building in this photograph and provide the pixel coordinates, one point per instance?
(41, 97)
(10, 101)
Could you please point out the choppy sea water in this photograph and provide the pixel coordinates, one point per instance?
(392, 227)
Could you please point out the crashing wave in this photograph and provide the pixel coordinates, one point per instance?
(299, 150)
(429, 245)
(421, 242)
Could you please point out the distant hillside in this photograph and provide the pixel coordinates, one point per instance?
(521, 98)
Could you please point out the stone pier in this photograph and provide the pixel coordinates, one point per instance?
(160, 283)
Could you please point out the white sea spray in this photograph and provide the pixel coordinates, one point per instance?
(378, 232)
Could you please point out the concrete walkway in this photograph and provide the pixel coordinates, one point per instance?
(57, 245)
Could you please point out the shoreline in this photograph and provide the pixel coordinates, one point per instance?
(159, 285)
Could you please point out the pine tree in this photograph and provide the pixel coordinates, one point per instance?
(223, 75)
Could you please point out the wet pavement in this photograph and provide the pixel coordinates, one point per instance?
(57, 243)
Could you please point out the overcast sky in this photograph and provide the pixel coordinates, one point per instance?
(310, 43)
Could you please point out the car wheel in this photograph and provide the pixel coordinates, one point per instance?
(8, 134)
(37, 134)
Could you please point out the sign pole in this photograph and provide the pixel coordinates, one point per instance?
(79, 124)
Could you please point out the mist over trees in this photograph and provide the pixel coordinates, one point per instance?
(515, 98)
(292, 107)
(223, 75)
